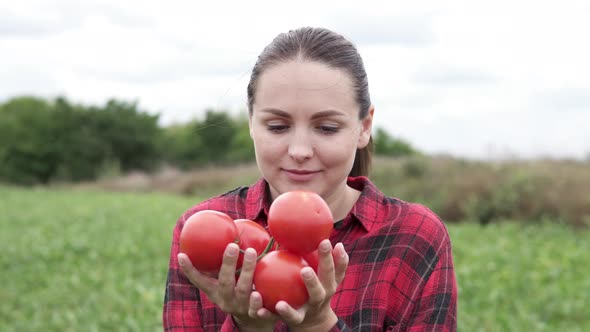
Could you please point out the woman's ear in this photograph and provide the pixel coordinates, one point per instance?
(366, 128)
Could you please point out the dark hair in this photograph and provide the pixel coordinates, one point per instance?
(324, 46)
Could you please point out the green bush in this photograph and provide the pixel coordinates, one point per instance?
(28, 133)
(386, 145)
(218, 139)
(57, 141)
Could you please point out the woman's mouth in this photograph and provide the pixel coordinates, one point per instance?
(299, 175)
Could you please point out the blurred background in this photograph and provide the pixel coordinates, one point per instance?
(115, 117)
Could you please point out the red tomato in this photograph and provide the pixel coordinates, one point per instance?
(277, 277)
(299, 220)
(205, 236)
(252, 235)
(313, 259)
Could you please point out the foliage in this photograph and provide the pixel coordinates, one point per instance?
(386, 145)
(181, 145)
(216, 132)
(48, 141)
(131, 134)
(27, 130)
(488, 192)
(95, 261)
(242, 146)
(219, 139)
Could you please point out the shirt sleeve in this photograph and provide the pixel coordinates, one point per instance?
(185, 307)
(436, 308)
(181, 301)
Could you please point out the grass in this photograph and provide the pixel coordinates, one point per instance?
(90, 261)
(84, 261)
(514, 277)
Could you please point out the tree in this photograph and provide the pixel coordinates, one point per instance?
(181, 145)
(131, 135)
(27, 134)
(242, 146)
(217, 133)
(42, 141)
(386, 145)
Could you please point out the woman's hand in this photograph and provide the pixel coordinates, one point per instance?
(316, 314)
(230, 296)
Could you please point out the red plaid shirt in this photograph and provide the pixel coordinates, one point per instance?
(400, 275)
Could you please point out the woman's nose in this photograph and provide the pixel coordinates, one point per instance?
(300, 147)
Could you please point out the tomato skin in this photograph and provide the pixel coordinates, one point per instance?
(313, 259)
(205, 236)
(277, 277)
(299, 220)
(252, 235)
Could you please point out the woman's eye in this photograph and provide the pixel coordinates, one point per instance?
(328, 129)
(277, 128)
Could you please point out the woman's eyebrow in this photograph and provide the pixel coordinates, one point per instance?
(320, 114)
(276, 111)
(327, 113)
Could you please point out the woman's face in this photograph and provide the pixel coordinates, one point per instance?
(306, 129)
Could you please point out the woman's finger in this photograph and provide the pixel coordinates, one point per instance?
(200, 280)
(340, 262)
(315, 289)
(255, 304)
(290, 315)
(244, 283)
(227, 272)
(266, 314)
(257, 310)
(326, 265)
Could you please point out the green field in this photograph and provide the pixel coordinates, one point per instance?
(91, 261)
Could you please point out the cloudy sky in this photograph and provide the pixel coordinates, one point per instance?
(478, 79)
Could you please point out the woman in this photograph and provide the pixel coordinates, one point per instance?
(387, 265)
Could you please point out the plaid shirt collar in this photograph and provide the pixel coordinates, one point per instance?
(258, 202)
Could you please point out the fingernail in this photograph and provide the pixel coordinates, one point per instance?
(250, 254)
(307, 274)
(231, 251)
(325, 246)
(342, 251)
(281, 307)
(180, 261)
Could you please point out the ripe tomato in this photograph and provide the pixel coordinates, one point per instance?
(277, 277)
(299, 220)
(252, 235)
(205, 236)
(313, 259)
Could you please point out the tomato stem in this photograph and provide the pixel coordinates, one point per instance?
(267, 249)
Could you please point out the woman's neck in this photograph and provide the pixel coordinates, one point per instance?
(341, 203)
